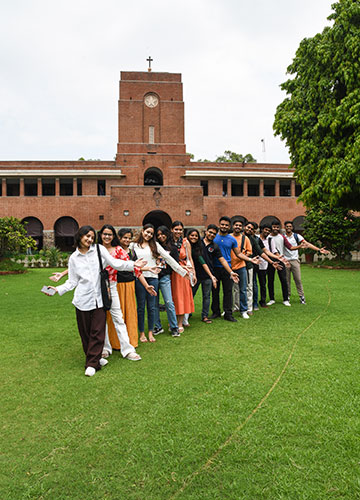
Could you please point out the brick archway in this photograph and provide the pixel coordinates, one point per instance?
(157, 218)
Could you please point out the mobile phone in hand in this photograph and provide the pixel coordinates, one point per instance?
(48, 291)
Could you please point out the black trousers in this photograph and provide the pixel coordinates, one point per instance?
(262, 281)
(91, 326)
(282, 277)
(223, 278)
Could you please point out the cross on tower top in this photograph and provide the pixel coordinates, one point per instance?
(150, 61)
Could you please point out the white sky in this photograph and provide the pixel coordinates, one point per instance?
(60, 64)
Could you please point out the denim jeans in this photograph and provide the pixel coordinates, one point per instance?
(206, 286)
(242, 285)
(165, 288)
(255, 288)
(142, 298)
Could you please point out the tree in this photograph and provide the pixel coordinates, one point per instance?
(13, 236)
(335, 228)
(320, 118)
(230, 156)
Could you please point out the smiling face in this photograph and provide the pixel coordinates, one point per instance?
(87, 240)
(125, 240)
(177, 232)
(275, 229)
(249, 230)
(210, 234)
(107, 236)
(266, 231)
(237, 227)
(289, 228)
(148, 233)
(161, 237)
(193, 237)
(224, 226)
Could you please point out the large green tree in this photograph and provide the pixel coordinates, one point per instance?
(231, 156)
(320, 118)
(336, 228)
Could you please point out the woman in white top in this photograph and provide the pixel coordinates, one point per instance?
(150, 250)
(84, 276)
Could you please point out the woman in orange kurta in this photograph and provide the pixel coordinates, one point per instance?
(181, 287)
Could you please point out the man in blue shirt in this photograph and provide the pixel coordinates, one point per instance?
(226, 243)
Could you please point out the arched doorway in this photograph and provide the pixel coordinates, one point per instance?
(65, 229)
(157, 218)
(298, 224)
(153, 177)
(34, 228)
(269, 219)
(238, 218)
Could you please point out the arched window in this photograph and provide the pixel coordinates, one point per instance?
(153, 177)
(65, 229)
(269, 219)
(34, 228)
(240, 218)
(298, 224)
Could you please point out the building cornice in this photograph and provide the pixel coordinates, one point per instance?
(60, 173)
(238, 174)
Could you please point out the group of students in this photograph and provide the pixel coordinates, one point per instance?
(167, 261)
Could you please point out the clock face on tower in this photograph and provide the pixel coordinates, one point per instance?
(151, 101)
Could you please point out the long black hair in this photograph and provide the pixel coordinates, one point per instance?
(115, 241)
(166, 231)
(196, 248)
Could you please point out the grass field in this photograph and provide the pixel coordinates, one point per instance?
(263, 409)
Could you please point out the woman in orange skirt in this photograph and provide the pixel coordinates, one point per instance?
(181, 287)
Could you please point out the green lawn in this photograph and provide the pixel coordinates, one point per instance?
(186, 422)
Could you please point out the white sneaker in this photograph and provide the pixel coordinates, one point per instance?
(270, 303)
(90, 371)
(287, 303)
(103, 362)
(245, 315)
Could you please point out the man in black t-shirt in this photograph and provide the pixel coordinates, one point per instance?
(211, 251)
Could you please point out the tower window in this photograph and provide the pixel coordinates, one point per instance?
(151, 135)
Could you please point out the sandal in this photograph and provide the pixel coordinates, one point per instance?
(152, 339)
(133, 356)
(181, 329)
(143, 339)
(207, 321)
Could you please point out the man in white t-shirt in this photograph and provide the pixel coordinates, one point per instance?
(293, 257)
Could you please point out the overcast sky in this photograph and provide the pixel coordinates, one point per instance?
(61, 63)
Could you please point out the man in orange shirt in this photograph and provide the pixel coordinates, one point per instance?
(238, 265)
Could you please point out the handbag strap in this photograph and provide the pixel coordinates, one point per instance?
(99, 256)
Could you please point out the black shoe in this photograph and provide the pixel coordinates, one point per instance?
(214, 316)
(230, 318)
(156, 331)
(175, 332)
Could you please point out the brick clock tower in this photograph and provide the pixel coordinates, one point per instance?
(151, 153)
(151, 114)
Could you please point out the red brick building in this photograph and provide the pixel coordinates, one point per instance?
(152, 178)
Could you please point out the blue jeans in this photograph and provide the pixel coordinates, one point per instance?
(142, 298)
(242, 288)
(255, 289)
(165, 287)
(206, 286)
